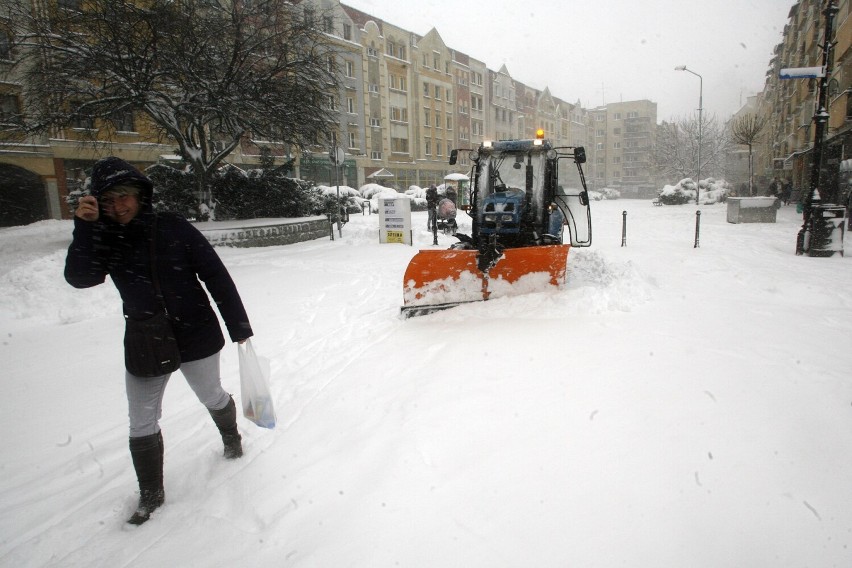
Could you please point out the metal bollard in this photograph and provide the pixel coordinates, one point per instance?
(697, 227)
(624, 228)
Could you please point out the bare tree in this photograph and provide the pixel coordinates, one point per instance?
(676, 148)
(747, 130)
(201, 71)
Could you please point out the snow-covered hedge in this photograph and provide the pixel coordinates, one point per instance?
(711, 191)
(374, 192)
(610, 193)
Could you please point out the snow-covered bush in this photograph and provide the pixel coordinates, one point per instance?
(349, 196)
(416, 191)
(170, 190)
(374, 192)
(610, 193)
(711, 191)
(714, 191)
(595, 195)
(370, 190)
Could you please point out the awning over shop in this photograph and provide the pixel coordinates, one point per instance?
(382, 173)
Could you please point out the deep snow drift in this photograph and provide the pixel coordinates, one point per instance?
(670, 406)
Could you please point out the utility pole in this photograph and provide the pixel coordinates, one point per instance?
(820, 119)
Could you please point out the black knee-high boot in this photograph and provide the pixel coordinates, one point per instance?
(147, 454)
(226, 421)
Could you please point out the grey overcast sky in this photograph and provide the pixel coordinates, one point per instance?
(604, 51)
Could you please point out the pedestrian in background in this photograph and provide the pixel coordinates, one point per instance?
(774, 189)
(113, 232)
(786, 191)
(432, 206)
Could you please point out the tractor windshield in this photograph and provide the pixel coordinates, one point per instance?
(506, 171)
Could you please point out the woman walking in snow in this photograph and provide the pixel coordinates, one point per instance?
(113, 232)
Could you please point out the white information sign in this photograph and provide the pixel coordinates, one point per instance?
(395, 220)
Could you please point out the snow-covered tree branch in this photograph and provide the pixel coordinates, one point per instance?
(217, 71)
(676, 148)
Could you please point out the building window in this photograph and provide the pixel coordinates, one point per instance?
(437, 93)
(9, 109)
(375, 155)
(328, 24)
(375, 122)
(632, 114)
(399, 114)
(5, 46)
(352, 140)
(347, 32)
(617, 116)
(427, 117)
(449, 122)
(350, 69)
(616, 145)
(397, 83)
(439, 148)
(476, 102)
(80, 120)
(332, 102)
(428, 147)
(399, 145)
(123, 121)
(426, 89)
(350, 105)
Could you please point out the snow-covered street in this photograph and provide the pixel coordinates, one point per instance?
(670, 406)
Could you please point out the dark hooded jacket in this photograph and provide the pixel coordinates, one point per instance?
(432, 197)
(184, 259)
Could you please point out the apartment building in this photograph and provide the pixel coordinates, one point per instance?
(404, 102)
(622, 148)
(790, 104)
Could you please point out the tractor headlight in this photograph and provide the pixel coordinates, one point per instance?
(491, 218)
(509, 218)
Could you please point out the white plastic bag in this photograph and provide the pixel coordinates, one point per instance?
(254, 386)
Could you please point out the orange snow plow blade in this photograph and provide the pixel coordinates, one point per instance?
(440, 279)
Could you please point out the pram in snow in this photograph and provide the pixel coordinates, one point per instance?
(447, 217)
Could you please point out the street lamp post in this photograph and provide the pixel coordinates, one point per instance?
(700, 105)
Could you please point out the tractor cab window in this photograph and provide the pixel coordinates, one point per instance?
(508, 172)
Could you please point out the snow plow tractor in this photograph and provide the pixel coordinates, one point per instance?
(522, 195)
